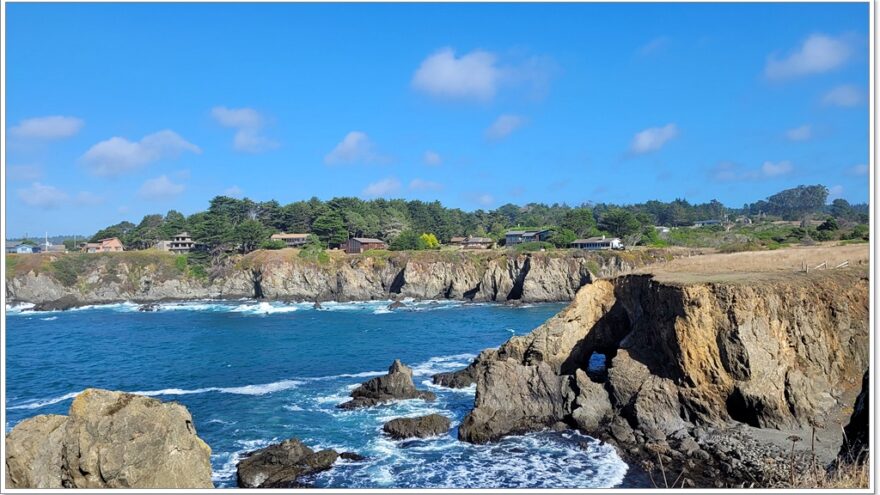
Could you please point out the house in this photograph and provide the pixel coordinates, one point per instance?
(110, 245)
(595, 243)
(292, 240)
(704, 223)
(16, 247)
(478, 243)
(514, 237)
(457, 240)
(181, 243)
(163, 245)
(53, 248)
(357, 245)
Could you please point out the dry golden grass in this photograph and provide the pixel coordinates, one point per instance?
(847, 476)
(749, 265)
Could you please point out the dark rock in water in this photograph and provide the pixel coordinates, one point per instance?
(148, 307)
(431, 425)
(317, 305)
(396, 385)
(282, 464)
(462, 378)
(396, 304)
(351, 456)
(855, 435)
(60, 304)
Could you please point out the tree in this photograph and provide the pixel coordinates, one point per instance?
(249, 234)
(620, 222)
(829, 225)
(330, 229)
(562, 238)
(408, 240)
(840, 208)
(580, 221)
(798, 202)
(429, 241)
(173, 224)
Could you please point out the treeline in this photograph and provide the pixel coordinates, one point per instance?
(244, 225)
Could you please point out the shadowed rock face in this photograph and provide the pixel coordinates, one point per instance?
(396, 385)
(856, 439)
(424, 426)
(776, 353)
(281, 465)
(109, 440)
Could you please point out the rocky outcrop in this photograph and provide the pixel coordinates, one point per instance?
(281, 465)
(109, 440)
(396, 385)
(856, 435)
(64, 281)
(431, 425)
(779, 352)
(462, 378)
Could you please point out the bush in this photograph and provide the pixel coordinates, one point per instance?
(429, 241)
(314, 252)
(273, 244)
(533, 246)
(408, 240)
(180, 263)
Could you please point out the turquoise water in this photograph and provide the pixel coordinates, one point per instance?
(256, 373)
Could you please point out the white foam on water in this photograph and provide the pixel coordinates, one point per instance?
(293, 407)
(441, 364)
(264, 308)
(382, 311)
(17, 309)
(470, 390)
(46, 402)
(229, 460)
(51, 318)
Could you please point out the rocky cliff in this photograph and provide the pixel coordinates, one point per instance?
(686, 361)
(109, 440)
(152, 276)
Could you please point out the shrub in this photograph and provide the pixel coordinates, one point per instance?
(533, 246)
(273, 244)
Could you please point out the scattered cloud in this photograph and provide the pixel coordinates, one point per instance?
(478, 75)
(503, 126)
(118, 155)
(24, 172)
(248, 124)
(860, 169)
(233, 192)
(41, 195)
(819, 53)
(801, 133)
(731, 172)
(355, 147)
(424, 185)
(652, 139)
(835, 192)
(383, 187)
(432, 158)
(845, 95)
(656, 45)
(47, 128)
(160, 188)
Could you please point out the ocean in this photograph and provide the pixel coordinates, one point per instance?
(254, 373)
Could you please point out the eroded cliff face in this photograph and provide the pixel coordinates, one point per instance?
(489, 276)
(781, 351)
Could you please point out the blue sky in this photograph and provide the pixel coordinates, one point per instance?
(119, 110)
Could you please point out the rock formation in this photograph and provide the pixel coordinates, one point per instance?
(396, 385)
(431, 425)
(484, 276)
(109, 440)
(776, 352)
(281, 465)
(856, 439)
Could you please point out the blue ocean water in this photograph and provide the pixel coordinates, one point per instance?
(254, 373)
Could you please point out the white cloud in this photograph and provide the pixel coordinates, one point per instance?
(818, 53)
(773, 169)
(425, 185)
(43, 196)
(24, 172)
(118, 155)
(160, 188)
(478, 75)
(801, 133)
(382, 188)
(233, 192)
(729, 172)
(432, 158)
(835, 192)
(355, 147)
(655, 45)
(652, 139)
(845, 95)
(248, 124)
(503, 126)
(53, 127)
(472, 76)
(860, 169)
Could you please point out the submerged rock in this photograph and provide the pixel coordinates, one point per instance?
(62, 303)
(396, 385)
(109, 440)
(423, 426)
(396, 305)
(282, 464)
(148, 307)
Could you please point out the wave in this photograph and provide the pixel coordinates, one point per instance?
(46, 402)
(51, 318)
(442, 364)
